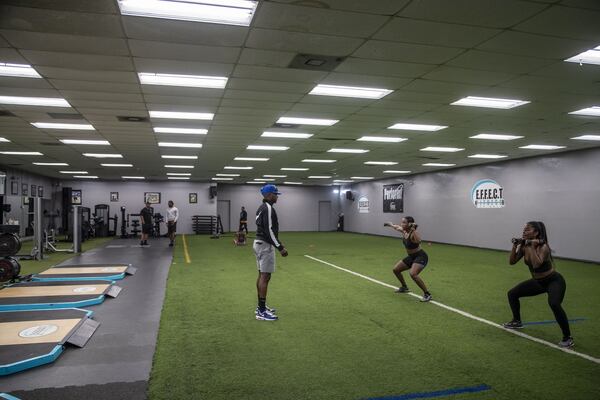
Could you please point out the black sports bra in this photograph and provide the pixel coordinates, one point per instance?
(409, 244)
(546, 266)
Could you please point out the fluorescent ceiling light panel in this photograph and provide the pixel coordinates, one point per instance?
(359, 178)
(4, 140)
(307, 121)
(383, 139)
(181, 115)
(85, 176)
(350, 91)
(287, 135)
(18, 70)
(83, 141)
(275, 176)
(34, 101)
(102, 155)
(587, 57)
(381, 163)
(180, 157)
(179, 144)
(442, 149)
(264, 179)
(182, 131)
(117, 165)
(587, 137)
(417, 127)
(21, 153)
(179, 174)
(392, 171)
(234, 167)
(292, 183)
(178, 177)
(339, 150)
(52, 125)
(432, 164)
(256, 182)
(593, 111)
(179, 166)
(314, 160)
(495, 136)
(222, 179)
(489, 102)
(73, 172)
(251, 159)
(52, 164)
(343, 181)
(268, 148)
(541, 147)
(227, 174)
(209, 82)
(490, 156)
(228, 12)
(133, 177)
(319, 177)
(294, 169)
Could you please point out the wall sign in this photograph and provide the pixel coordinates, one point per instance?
(487, 193)
(76, 197)
(363, 204)
(393, 198)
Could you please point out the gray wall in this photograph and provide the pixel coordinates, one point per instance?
(562, 190)
(297, 207)
(131, 195)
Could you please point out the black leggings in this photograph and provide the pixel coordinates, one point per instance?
(554, 285)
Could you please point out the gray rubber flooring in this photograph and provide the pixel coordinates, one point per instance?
(117, 360)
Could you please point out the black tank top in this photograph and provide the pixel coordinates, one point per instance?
(546, 266)
(409, 244)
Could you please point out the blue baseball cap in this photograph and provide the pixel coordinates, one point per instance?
(269, 189)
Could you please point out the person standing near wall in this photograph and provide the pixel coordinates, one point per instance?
(243, 221)
(267, 232)
(146, 221)
(172, 217)
(536, 253)
(416, 260)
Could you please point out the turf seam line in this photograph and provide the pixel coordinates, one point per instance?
(437, 393)
(185, 250)
(466, 314)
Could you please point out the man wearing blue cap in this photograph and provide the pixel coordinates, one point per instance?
(267, 231)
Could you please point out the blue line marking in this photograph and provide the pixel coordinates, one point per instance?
(553, 321)
(439, 393)
(8, 396)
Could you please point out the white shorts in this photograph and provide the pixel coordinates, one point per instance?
(265, 256)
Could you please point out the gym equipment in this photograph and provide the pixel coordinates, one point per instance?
(82, 272)
(101, 212)
(33, 338)
(239, 238)
(114, 220)
(135, 224)
(42, 295)
(9, 269)
(526, 242)
(205, 224)
(9, 244)
(50, 243)
(124, 224)
(158, 219)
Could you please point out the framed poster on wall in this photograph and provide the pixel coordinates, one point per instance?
(40, 191)
(24, 189)
(76, 197)
(33, 191)
(114, 196)
(152, 197)
(393, 198)
(193, 197)
(14, 188)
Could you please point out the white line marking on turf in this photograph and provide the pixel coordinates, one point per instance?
(465, 314)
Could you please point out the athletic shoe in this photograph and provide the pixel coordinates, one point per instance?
(513, 325)
(402, 289)
(269, 309)
(171, 244)
(142, 243)
(566, 343)
(266, 316)
(426, 297)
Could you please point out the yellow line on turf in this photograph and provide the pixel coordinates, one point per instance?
(464, 314)
(185, 250)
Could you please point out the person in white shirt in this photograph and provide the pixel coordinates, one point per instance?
(172, 216)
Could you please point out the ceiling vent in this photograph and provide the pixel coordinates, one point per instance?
(4, 113)
(65, 115)
(314, 62)
(430, 158)
(312, 152)
(333, 139)
(131, 118)
(51, 144)
(285, 126)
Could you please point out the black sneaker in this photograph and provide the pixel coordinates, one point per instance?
(142, 243)
(513, 325)
(402, 289)
(171, 244)
(567, 342)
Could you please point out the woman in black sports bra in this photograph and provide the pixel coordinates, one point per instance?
(416, 260)
(536, 254)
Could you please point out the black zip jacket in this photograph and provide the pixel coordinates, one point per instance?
(267, 225)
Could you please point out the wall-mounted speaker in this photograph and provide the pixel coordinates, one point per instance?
(349, 195)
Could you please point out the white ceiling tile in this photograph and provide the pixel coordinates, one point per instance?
(78, 60)
(383, 7)
(153, 99)
(302, 42)
(565, 22)
(87, 75)
(266, 58)
(316, 20)
(95, 6)
(72, 95)
(338, 78)
(9, 55)
(499, 62)
(593, 4)
(187, 52)
(181, 91)
(95, 86)
(278, 74)
(181, 67)
(355, 65)
(23, 83)
(269, 105)
(461, 75)
(489, 13)
(269, 85)
(406, 52)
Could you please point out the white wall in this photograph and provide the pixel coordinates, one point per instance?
(131, 196)
(561, 190)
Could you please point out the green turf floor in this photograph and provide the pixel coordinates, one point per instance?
(342, 337)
